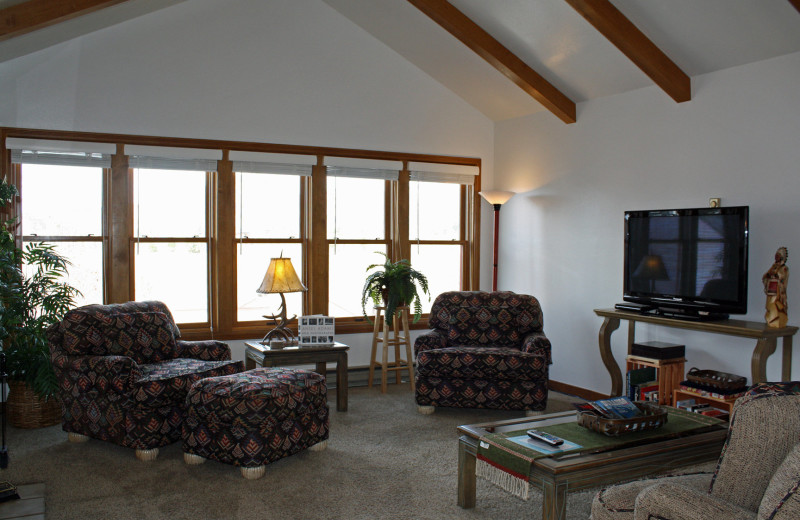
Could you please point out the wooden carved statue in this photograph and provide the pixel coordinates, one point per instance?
(775, 281)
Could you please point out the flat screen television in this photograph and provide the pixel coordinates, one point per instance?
(687, 263)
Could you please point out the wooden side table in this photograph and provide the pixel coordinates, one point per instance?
(391, 337)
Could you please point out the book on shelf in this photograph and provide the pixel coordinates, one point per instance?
(646, 388)
(636, 377)
(707, 391)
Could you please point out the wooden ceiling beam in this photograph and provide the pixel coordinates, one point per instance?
(473, 36)
(620, 31)
(35, 14)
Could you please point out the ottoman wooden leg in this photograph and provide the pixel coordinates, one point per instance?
(192, 459)
(147, 455)
(76, 437)
(320, 446)
(253, 473)
(425, 410)
(533, 413)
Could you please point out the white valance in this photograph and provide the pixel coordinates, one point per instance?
(363, 168)
(171, 158)
(277, 163)
(438, 172)
(60, 153)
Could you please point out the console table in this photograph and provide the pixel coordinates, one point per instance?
(766, 340)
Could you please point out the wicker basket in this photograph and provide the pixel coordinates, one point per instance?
(27, 410)
(716, 379)
(653, 416)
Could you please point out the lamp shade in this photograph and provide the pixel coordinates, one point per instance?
(496, 196)
(281, 278)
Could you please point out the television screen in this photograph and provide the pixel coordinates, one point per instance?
(689, 259)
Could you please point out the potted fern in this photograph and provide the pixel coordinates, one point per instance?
(398, 284)
(30, 304)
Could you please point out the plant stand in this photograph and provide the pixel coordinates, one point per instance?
(390, 336)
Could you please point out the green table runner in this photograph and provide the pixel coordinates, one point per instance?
(508, 463)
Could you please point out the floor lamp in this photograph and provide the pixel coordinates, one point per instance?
(496, 199)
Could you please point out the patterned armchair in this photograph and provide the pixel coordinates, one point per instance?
(486, 350)
(123, 373)
(757, 475)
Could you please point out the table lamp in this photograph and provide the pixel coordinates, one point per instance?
(280, 278)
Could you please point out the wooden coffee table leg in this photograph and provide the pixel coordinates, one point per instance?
(554, 501)
(466, 474)
(341, 382)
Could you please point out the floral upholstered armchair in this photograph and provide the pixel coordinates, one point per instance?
(486, 350)
(123, 373)
(757, 476)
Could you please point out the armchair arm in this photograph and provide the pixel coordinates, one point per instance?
(430, 340)
(100, 374)
(676, 502)
(208, 350)
(537, 343)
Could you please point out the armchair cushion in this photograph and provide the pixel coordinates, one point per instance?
(618, 502)
(672, 501)
(168, 382)
(782, 498)
(489, 363)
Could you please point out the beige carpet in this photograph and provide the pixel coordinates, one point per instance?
(384, 460)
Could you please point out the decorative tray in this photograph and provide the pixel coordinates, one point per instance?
(653, 416)
(716, 379)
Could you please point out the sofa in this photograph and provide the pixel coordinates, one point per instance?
(124, 373)
(485, 350)
(757, 475)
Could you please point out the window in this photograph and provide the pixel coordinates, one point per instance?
(72, 219)
(196, 227)
(268, 209)
(357, 227)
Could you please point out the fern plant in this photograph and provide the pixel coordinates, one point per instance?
(30, 304)
(394, 286)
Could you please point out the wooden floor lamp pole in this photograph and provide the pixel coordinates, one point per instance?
(496, 240)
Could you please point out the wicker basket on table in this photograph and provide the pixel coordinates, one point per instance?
(653, 416)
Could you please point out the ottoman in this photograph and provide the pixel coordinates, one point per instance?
(256, 417)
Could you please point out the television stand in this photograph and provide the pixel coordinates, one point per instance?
(766, 340)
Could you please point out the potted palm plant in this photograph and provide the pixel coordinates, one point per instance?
(395, 286)
(30, 304)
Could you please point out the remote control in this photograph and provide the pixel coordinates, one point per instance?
(552, 440)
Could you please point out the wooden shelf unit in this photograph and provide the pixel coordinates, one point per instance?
(722, 404)
(669, 374)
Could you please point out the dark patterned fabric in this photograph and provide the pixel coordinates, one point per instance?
(487, 350)
(119, 398)
(256, 417)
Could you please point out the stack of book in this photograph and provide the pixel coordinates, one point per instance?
(612, 408)
(642, 384)
(702, 408)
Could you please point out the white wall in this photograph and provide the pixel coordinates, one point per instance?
(282, 71)
(562, 238)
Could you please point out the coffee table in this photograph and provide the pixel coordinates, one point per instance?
(260, 355)
(556, 475)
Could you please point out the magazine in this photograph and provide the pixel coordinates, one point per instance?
(612, 408)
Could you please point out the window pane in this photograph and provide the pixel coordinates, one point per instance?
(61, 200)
(271, 205)
(252, 261)
(85, 271)
(434, 210)
(169, 203)
(441, 265)
(347, 267)
(177, 274)
(356, 208)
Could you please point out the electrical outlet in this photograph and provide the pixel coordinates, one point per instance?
(714, 202)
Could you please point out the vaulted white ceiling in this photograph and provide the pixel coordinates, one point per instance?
(549, 36)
